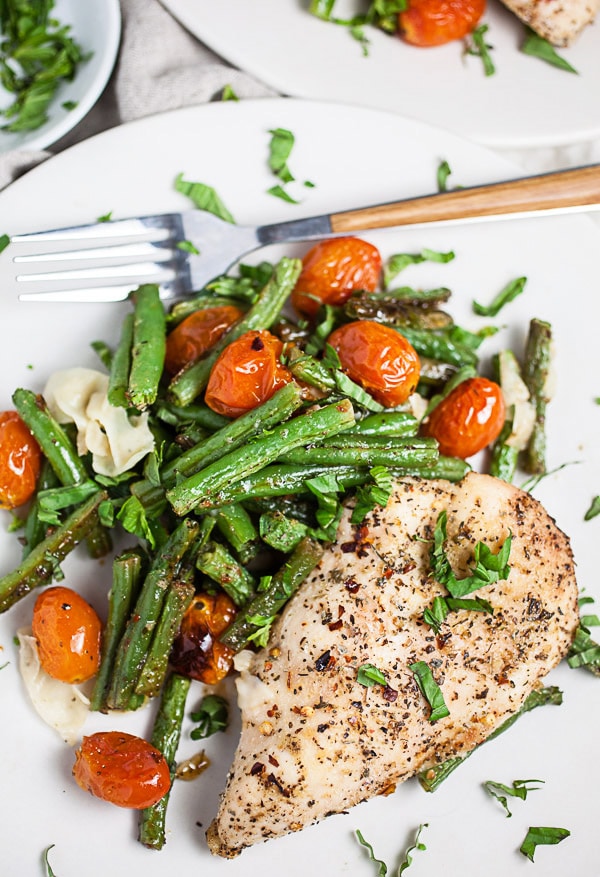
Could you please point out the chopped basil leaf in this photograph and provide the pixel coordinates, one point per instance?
(488, 567)
(228, 93)
(132, 516)
(418, 845)
(400, 261)
(584, 652)
(56, 499)
(382, 868)
(506, 295)
(279, 192)
(590, 620)
(212, 716)
(106, 218)
(519, 789)
(368, 675)
(539, 836)
(430, 690)
(4, 241)
(188, 247)
(481, 49)
(442, 606)
(371, 495)
(37, 54)
(322, 331)
(593, 510)
(203, 197)
(49, 871)
(538, 47)
(280, 147)
(443, 174)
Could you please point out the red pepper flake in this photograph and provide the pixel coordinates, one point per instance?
(257, 768)
(257, 343)
(390, 694)
(273, 761)
(335, 625)
(351, 586)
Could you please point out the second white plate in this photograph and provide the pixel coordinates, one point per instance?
(526, 104)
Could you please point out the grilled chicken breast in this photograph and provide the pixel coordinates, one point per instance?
(316, 741)
(558, 21)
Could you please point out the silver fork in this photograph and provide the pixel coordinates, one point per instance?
(106, 260)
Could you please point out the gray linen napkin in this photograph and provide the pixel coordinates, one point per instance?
(160, 67)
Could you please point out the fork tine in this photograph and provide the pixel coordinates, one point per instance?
(89, 294)
(132, 269)
(152, 249)
(160, 227)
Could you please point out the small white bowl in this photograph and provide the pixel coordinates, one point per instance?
(96, 27)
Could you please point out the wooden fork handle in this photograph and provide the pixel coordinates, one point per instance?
(559, 190)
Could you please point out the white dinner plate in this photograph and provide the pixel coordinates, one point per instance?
(96, 27)
(225, 145)
(526, 104)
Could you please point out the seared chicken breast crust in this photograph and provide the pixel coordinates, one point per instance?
(314, 740)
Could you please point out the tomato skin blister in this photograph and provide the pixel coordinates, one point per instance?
(332, 270)
(122, 769)
(246, 374)
(197, 652)
(469, 419)
(20, 461)
(428, 23)
(68, 633)
(379, 359)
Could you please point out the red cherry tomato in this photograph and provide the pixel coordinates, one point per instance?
(198, 333)
(197, 651)
(332, 270)
(122, 769)
(468, 419)
(246, 374)
(379, 359)
(435, 22)
(20, 461)
(68, 633)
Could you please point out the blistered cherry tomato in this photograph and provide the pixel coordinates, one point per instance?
(197, 651)
(20, 460)
(379, 359)
(435, 22)
(332, 270)
(198, 333)
(122, 769)
(68, 633)
(468, 419)
(246, 374)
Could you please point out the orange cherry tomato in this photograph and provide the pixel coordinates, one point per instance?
(246, 374)
(332, 270)
(435, 22)
(20, 461)
(197, 651)
(468, 419)
(122, 769)
(68, 633)
(379, 359)
(198, 333)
